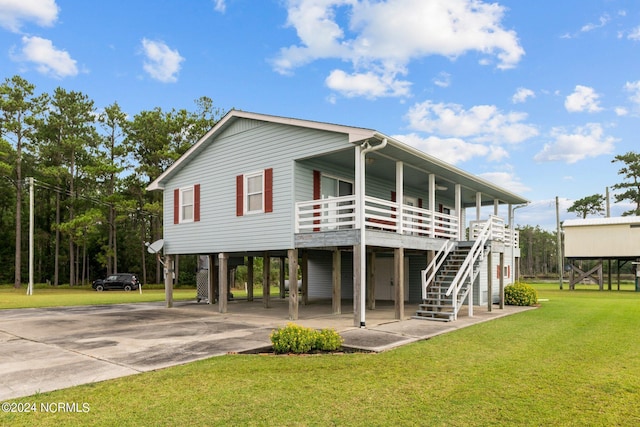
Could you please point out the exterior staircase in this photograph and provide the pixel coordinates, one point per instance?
(449, 278)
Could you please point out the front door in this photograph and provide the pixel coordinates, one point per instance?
(385, 288)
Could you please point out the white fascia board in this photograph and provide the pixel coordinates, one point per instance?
(355, 134)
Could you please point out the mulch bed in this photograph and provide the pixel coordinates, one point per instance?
(268, 351)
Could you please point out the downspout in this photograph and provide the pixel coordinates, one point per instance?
(513, 248)
(360, 191)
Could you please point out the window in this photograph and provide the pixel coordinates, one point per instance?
(186, 204)
(255, 192)
(335, 187)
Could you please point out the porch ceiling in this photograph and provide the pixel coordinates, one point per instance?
(416, 174)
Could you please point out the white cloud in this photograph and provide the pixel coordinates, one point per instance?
(162, 63)
(621, 111)
(48, 59)
(369, 84)
(583, 98)
(522, 94)
(387, 35)
(219, 6)
(443, 80)
(481, 123)
(634, 34)
(450, 150)
(604, 20)
(584, 141)
(13, 13)
(506, 180)
(634, 89)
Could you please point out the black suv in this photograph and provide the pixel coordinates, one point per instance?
(126, 281)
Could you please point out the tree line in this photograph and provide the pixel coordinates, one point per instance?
(90, 167)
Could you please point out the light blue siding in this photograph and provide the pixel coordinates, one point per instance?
(243, 148)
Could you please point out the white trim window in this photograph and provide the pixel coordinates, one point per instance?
(254, 192)
(186, 204)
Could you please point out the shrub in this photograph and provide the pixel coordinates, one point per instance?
(293, 339)
(299, 339)
(328, 340)
(520, 294)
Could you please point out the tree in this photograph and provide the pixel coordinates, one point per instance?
(113, 160)
(71, 135)
(19, 115)
(631, 173)
(590, 205)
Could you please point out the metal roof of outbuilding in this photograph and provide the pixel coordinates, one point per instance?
(602, 221)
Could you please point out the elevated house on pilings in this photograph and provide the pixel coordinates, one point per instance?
(598, 240)
(366, 217)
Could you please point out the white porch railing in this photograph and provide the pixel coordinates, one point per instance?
(338, 213)
(498, 231)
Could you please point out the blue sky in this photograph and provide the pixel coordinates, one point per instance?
(535, 96)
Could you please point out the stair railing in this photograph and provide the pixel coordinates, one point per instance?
(466, 270)
(429, 274)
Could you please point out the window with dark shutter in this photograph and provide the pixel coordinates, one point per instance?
(254, 192)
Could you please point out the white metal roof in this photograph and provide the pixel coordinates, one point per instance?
(602, 221)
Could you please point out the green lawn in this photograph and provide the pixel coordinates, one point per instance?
(574, 361)
(49, 296)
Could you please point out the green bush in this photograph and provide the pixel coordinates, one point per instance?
(328, 340)
(299, 339)
(520, 294)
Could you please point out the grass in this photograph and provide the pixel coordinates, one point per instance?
(49, 296)
(574, 361)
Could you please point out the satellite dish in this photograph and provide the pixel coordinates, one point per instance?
(155, 247)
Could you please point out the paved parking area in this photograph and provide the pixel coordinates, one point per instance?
(52, 348)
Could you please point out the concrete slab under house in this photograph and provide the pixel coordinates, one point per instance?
(357, 215)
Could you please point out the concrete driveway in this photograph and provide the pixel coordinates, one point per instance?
(53, 348)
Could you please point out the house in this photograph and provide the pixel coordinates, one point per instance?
(366, 217)
(598, 239)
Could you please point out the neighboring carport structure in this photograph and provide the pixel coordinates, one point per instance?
(612, 239)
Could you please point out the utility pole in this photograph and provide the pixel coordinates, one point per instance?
(31, 220)
(559, 242)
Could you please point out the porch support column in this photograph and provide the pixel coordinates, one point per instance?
(282, 290)
(478, 205)
(266, 276)
(358, 292)
(398, 261)
(359, 249)
(501, 281)
(470, 299)
(496, 204)
(223, 281)
(371, 281)
(458, 208)
(432, 205)
(305, 276)
(336, 274)
(490, 281)
(168, 280)
(293, 283)
(512, 241)
(211, 291)
(400, 194)
(250, 278)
